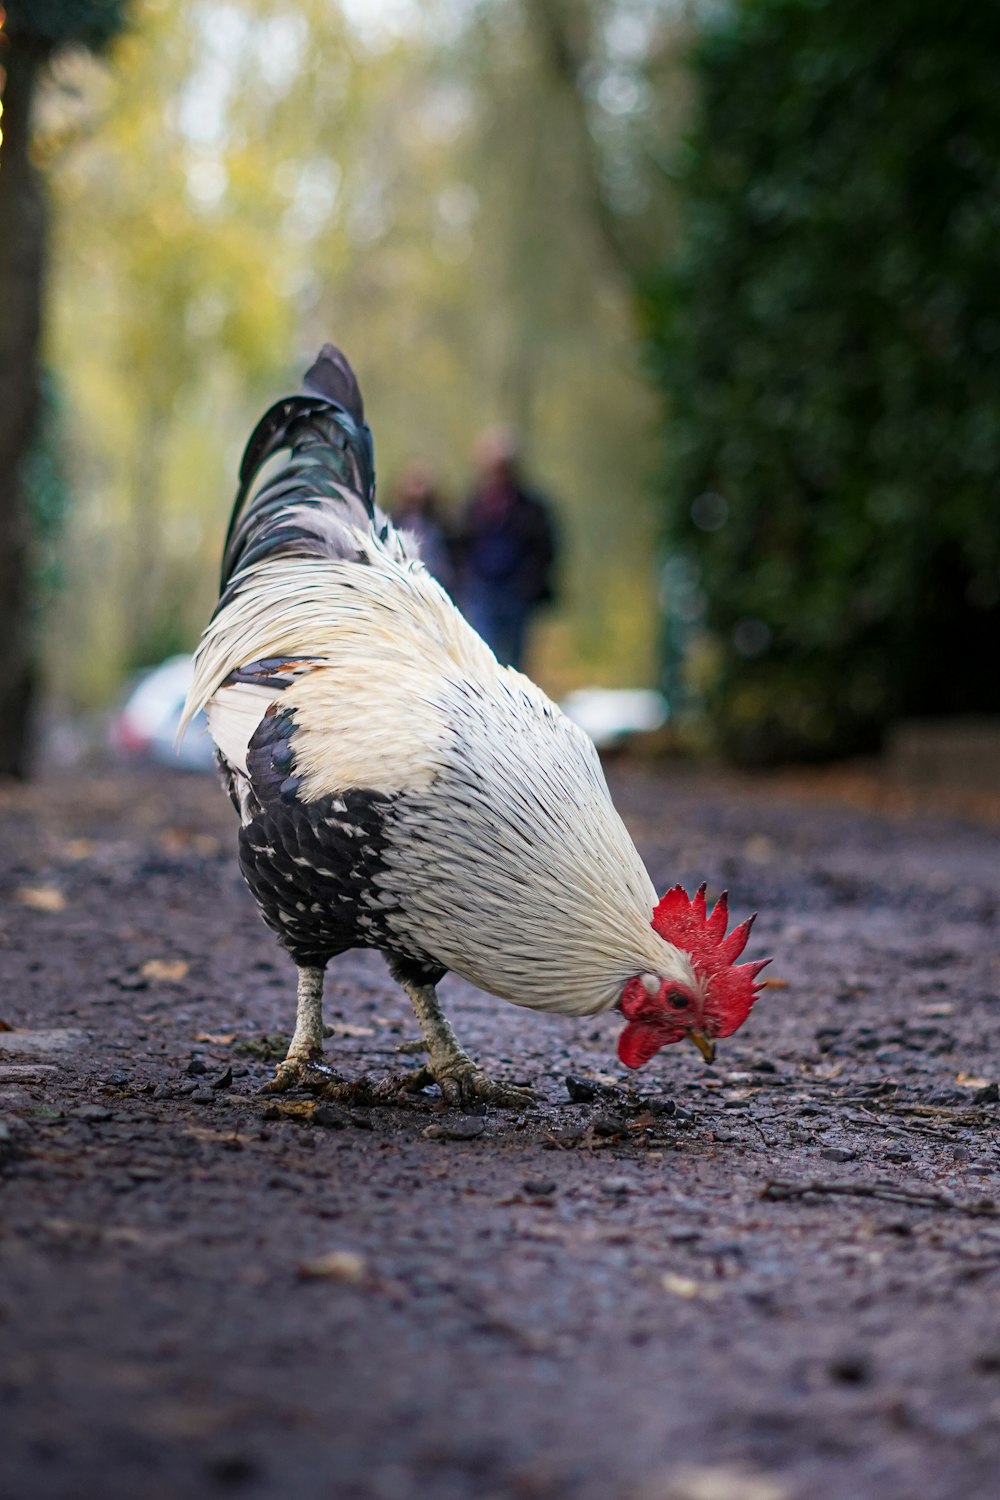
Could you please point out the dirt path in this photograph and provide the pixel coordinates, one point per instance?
(599, 1300)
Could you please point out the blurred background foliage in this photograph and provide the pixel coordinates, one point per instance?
(728, 264)
(432, 185)
(828, 340)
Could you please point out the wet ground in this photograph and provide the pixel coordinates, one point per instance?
(777, 1279)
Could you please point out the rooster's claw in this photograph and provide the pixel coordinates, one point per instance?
(463, 1087)
(301, 1073)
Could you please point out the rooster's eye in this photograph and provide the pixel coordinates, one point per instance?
(679, 1002)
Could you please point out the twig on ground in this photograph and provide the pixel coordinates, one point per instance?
(777, 1189)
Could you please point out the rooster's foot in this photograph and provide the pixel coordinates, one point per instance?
(464, 1085)
(307, 1073)
(461, 1082)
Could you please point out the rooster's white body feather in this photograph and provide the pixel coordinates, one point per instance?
(505, 860)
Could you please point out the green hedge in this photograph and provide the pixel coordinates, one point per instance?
(828, 339)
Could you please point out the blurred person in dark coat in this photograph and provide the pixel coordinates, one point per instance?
(416, 508)
(507, 549)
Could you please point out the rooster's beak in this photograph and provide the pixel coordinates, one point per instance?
(704, 1044)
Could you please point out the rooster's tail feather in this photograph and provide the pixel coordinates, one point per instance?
(324, 490)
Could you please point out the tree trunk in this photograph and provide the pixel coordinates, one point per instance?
(561, 30)
(22, 255)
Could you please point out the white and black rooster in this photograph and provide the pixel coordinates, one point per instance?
(398, 789)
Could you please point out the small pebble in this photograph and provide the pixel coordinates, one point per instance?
(896, 1153)
(131, 982)
(202, 1096)
(231, 1468)
(616, 1187)
(195, 1068)
(852, 1367)
(659, 1106)
(331, 1117)
(224, 1080)
(539, 1187)
(839, 1153)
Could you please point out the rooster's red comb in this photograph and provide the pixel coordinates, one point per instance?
(731, 988)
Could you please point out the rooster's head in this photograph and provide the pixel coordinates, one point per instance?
(660, 1011)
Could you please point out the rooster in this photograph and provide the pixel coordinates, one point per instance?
(398, 789)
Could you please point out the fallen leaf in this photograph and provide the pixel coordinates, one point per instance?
(179, 840)
(168, 970)
(685, 1286)
(346, 1028)
(346, 1266)
(42, 897)
(971, 1081)
(711, 1482)
(776, 984)
(79, 848)
(539, 1231)
(296, 1109)
(216, 1038)
(462, 1128)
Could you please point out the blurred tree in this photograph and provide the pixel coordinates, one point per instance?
(827, 339)
(258, 174)
(31, 33)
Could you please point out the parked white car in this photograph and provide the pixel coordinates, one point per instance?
(145, 725)
(611, 716)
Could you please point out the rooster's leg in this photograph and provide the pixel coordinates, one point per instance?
(306, 1048)
(460, 1080)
